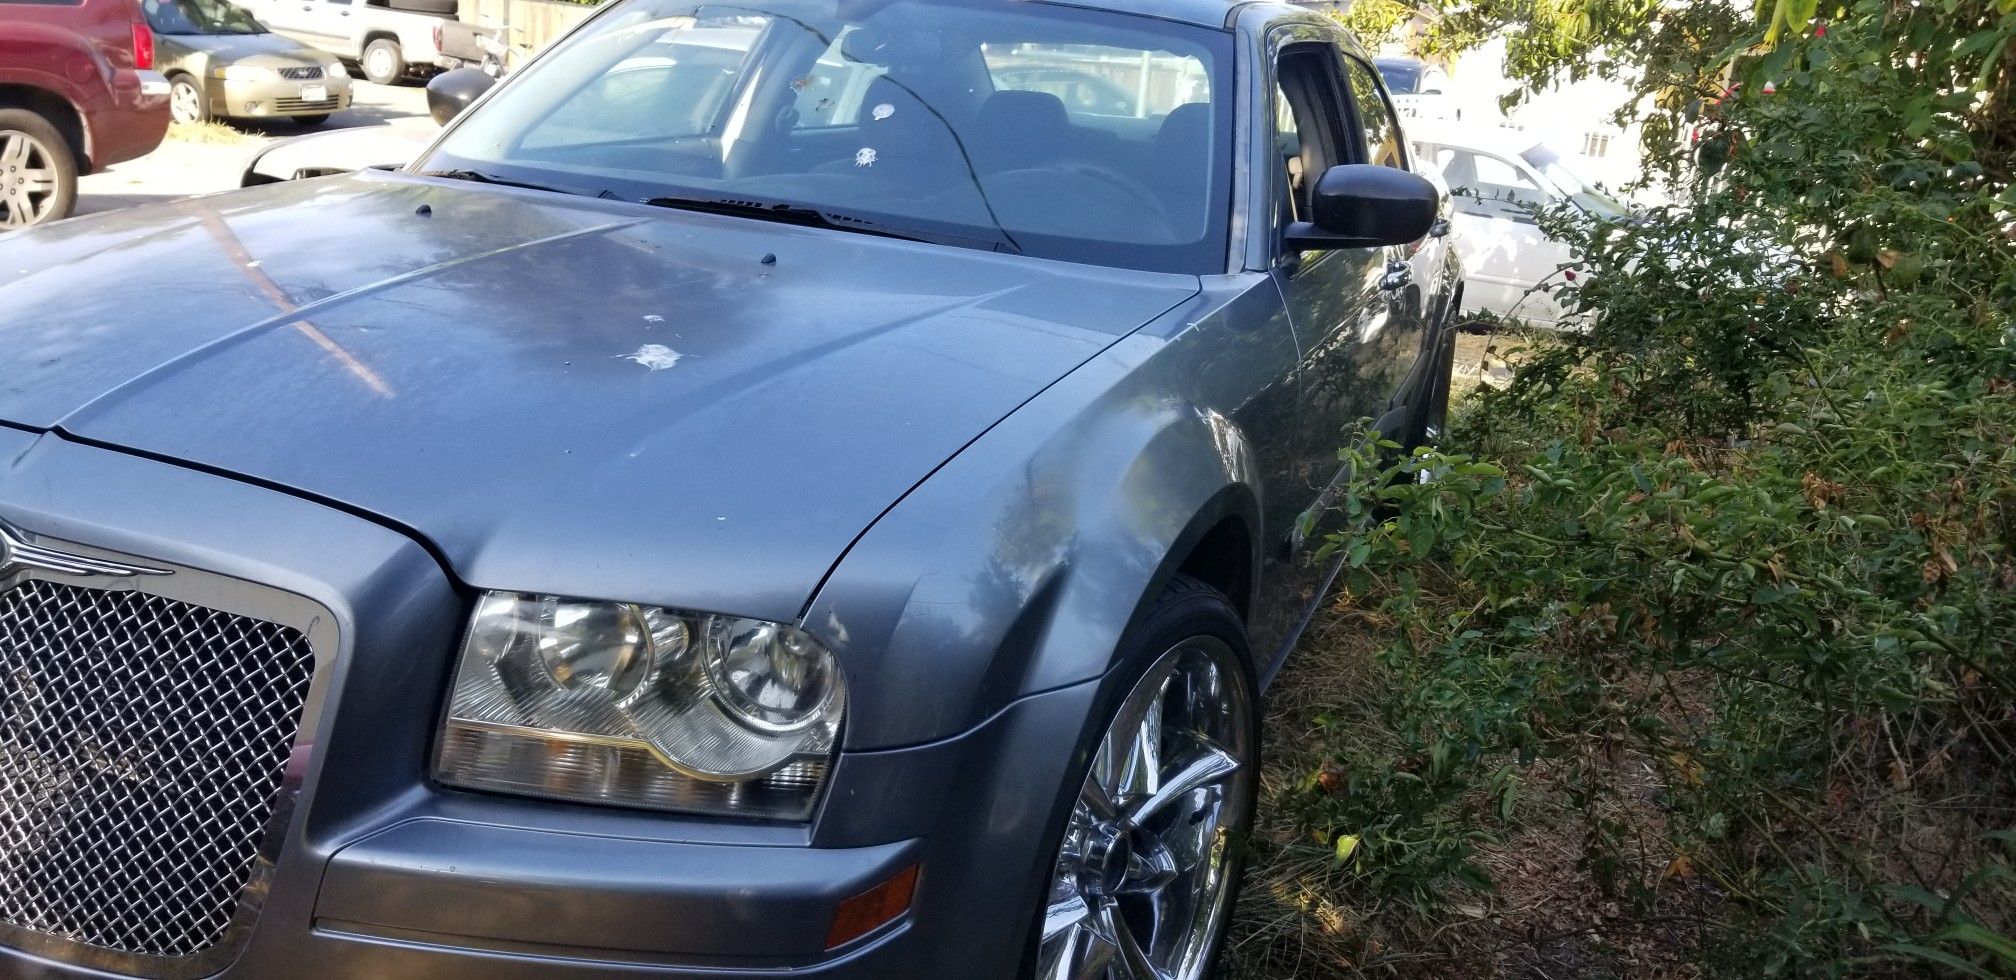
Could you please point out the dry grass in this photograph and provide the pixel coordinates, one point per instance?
(207, 132)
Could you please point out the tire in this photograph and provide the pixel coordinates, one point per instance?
(383, 62)
(38, 171)
(441, 7)
(310, 122)
(1117, 885)
(186, 103)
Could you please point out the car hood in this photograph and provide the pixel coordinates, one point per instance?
(561, 395)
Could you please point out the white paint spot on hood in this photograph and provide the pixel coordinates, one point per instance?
(655, 357)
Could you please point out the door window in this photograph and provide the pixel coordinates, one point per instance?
(1308, 125)
(1488, 186)
(1376, 120)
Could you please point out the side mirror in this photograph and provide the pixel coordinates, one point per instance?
(451, 92)
(1360, 205)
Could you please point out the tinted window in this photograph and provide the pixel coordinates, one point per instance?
(1078, 134)
(1402, 77)
(1375, 117)
(198, 17)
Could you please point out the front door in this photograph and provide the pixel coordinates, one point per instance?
(1355, 310)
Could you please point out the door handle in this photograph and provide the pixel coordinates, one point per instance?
(1399, 275)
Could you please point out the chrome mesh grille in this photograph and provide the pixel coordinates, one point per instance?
(142, 743)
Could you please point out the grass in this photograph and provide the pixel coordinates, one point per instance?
(1298, 917)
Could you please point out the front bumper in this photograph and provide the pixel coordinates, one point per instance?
(277, 98)
(380, 873)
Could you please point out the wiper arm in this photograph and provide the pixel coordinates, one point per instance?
(798, 214)
(477, 176)
(794, 214)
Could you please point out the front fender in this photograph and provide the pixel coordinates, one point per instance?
(1018, 566)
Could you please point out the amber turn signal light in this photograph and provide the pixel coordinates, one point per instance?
(872, 909)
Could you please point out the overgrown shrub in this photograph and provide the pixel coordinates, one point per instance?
(1729, 579)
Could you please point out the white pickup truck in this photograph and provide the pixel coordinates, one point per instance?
(387, 38)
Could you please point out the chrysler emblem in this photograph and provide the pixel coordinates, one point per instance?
(17, 555)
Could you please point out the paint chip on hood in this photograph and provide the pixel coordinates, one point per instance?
(655, 357)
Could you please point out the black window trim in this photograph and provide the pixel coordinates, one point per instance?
(1331, 115)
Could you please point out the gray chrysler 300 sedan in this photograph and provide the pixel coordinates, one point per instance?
(762, 495)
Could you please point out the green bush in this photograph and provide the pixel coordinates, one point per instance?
(1730, 578)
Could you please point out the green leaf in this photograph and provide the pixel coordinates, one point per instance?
(2002, 947)
(1347, 845)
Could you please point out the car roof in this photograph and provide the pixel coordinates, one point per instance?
(1489, 139)
(1203, 13)
(1206, 13)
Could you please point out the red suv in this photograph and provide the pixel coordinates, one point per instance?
(78, 93)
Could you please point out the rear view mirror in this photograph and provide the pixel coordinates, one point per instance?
(1360, 205)
(451, 92)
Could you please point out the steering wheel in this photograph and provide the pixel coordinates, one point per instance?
(1122, 183)
(1127, 188)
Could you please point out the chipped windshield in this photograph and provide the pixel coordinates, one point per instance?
(1073, 134)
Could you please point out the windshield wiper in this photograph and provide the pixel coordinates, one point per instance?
(480, 177)
(798, 214)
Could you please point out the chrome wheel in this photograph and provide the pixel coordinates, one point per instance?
(27, 180)
(1143, 881)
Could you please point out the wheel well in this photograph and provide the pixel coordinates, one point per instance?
(54, 108)
(376, 36)
(1223, 559)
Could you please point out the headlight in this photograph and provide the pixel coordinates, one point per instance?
(245, 73)
(335, 69)
(615, 703)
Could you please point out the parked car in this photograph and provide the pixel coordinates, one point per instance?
(390, 40)
(1500, 178)
(1420, 90)
(336, 151)
(77, 95)
(222, 63)
(661, 534)
(463, 45)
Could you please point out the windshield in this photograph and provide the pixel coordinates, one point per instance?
(1402, 77)
(1073, 134)
(1579, 189)
(199, 17)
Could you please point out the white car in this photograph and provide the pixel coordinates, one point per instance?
(387, 38)
(1497, 177)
